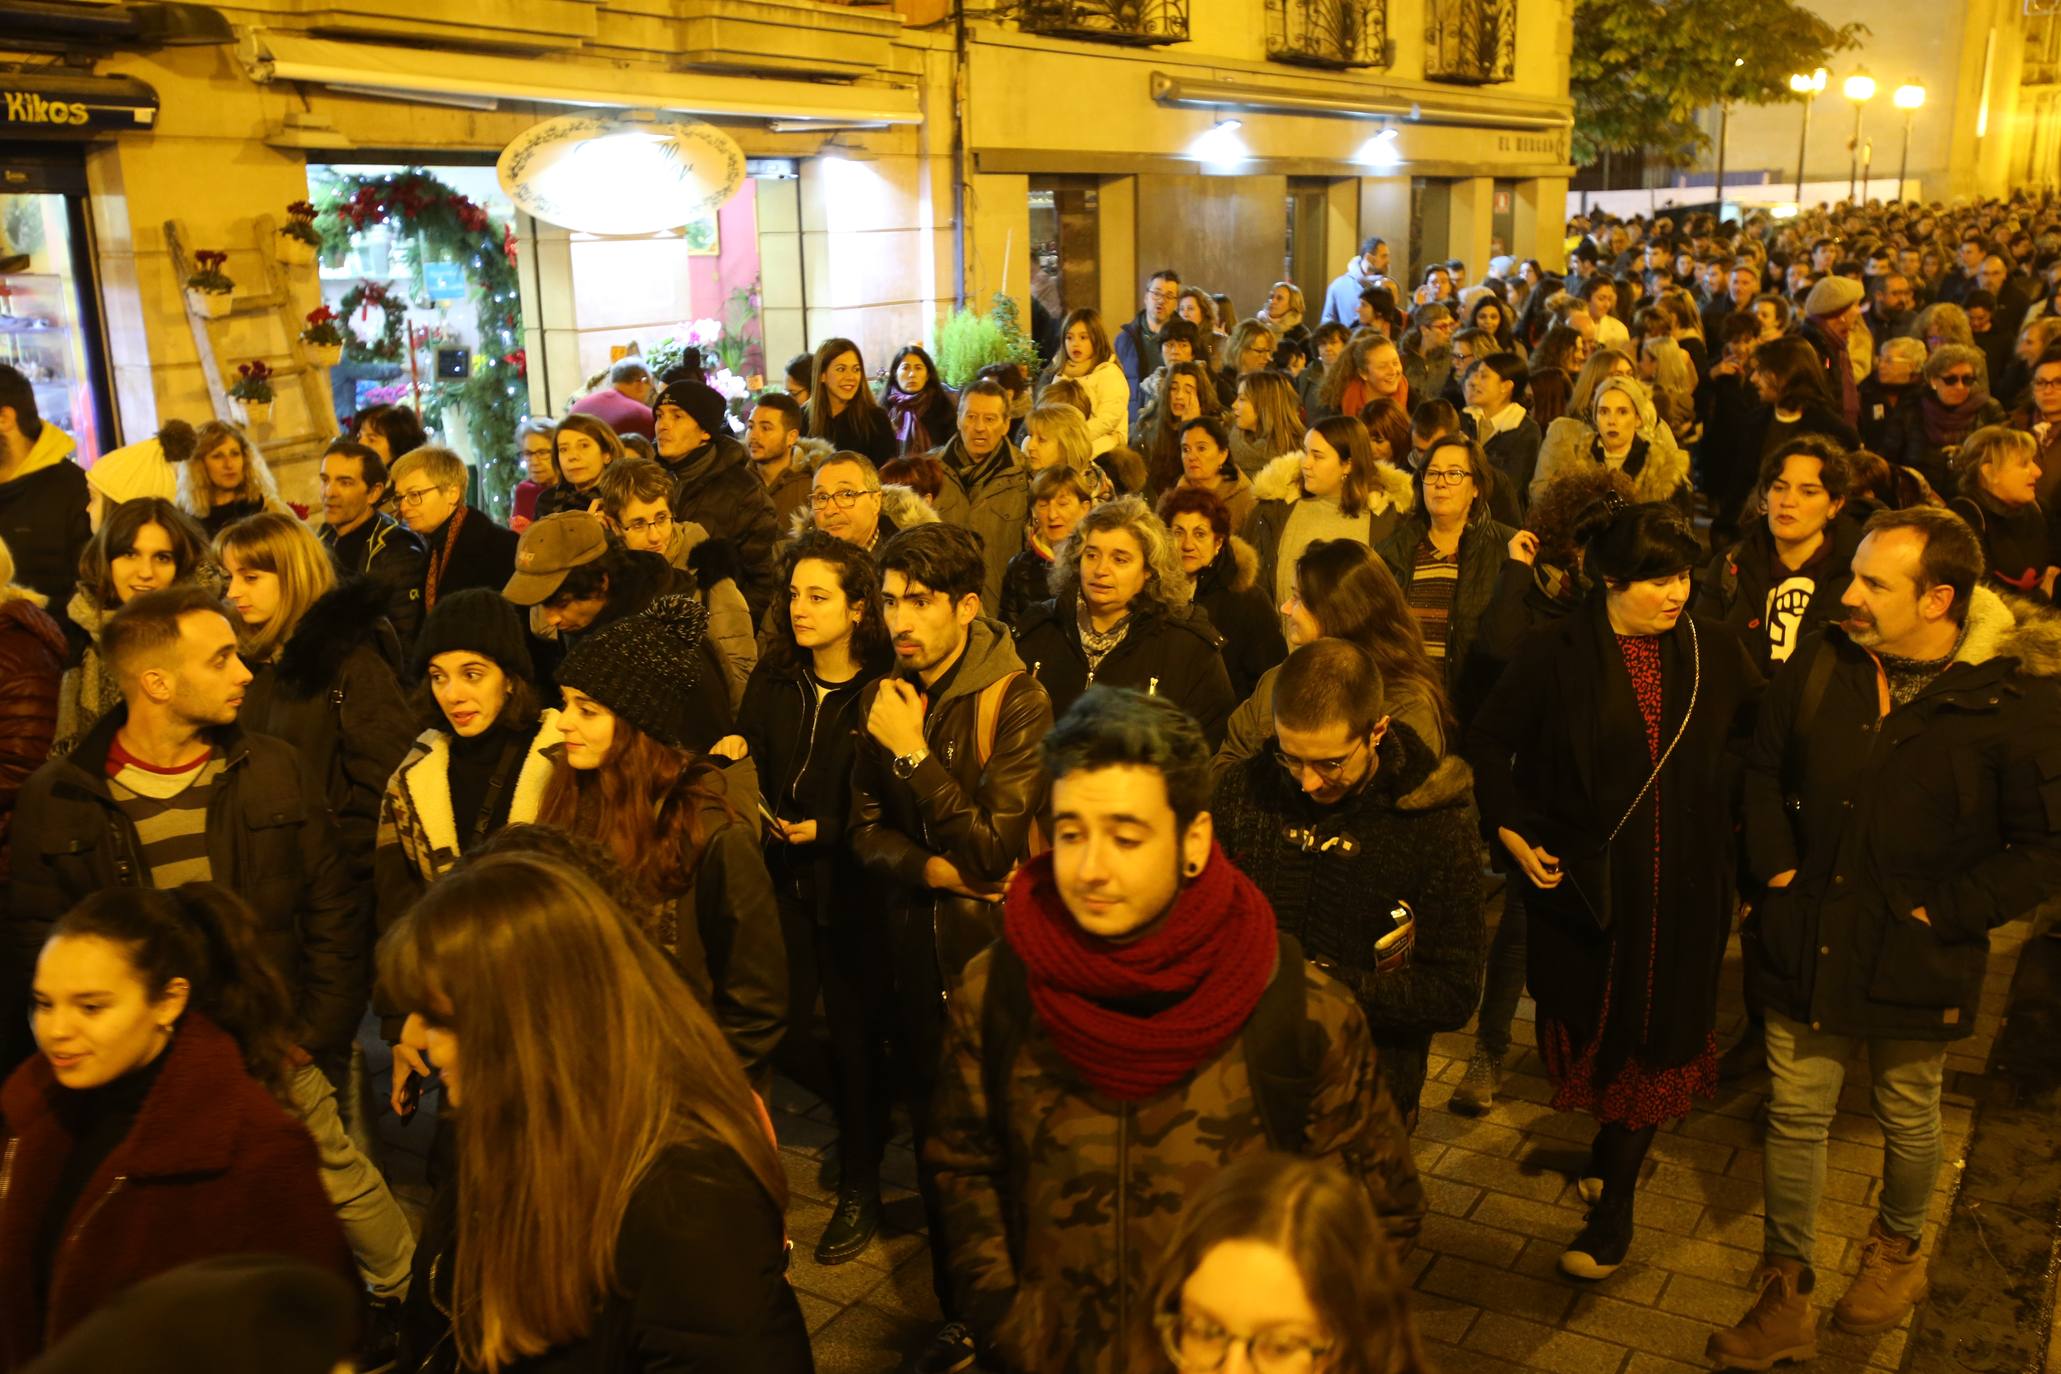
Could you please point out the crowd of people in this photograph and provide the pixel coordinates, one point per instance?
(1112, 768)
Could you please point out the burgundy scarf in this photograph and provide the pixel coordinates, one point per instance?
(907, 409)
(1216, 948)
(1945, 424)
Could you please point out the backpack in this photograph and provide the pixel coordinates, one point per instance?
(987, 720)
(1284, 1049)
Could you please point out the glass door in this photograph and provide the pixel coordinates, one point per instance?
(49, 310)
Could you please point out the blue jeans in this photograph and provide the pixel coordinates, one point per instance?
(1809, 1068)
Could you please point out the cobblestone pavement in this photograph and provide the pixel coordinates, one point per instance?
(1489, 1293)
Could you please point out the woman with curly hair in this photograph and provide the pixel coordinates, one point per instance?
(226, 479)
(682, 826)
(923, 408)
(1122, 615)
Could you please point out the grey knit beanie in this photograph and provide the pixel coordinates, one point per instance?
(644, 667)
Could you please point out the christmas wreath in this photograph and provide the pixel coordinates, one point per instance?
(360, 301)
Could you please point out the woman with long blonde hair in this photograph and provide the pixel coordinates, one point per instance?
(617, 1202)
(322, 657)
(226, 479)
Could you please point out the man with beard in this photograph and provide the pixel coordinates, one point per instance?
(715, 485)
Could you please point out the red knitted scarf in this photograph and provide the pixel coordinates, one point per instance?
(1216, 948)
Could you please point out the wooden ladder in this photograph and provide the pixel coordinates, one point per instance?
(277, 299)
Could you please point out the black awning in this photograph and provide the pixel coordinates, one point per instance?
(60, 105)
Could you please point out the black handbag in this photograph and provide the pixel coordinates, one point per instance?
(1583, 893)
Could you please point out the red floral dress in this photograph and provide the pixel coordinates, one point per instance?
(1638, 1097)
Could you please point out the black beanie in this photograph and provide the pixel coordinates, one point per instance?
(476, 620)
(644, 668)
(702, 402)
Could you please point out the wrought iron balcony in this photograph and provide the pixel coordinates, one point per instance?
(1470, 42)
(1140, 23)
(1328, 33)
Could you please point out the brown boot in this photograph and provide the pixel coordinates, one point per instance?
(1892, 1281)
(1780, 1326)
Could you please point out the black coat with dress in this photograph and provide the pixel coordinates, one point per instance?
(1227, 590)
(1559, 751)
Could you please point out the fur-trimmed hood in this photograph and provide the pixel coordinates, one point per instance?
(1568, 446)
(1243, 564)
(2002, 626)
(1281, 480)
(351, 614)
(900, 506)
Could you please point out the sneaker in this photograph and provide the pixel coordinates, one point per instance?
(1892, 1281)
(1748, 1055)
(851, 1230)
(1780, 1325)
(949, 1352)
(1476, 1093)
(1601, 1246)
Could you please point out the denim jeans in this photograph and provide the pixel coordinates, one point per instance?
(1503, 984)
(1808, 1068)
(373, 1223)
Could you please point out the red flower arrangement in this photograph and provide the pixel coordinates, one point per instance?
(253, 381)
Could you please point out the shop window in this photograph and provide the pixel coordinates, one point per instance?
(1471, 42)
(1329, 33)
(1142, 22)
(49, 324)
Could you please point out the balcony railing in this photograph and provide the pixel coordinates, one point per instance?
(1471, 42)
(1138, 22)
(1328, 33)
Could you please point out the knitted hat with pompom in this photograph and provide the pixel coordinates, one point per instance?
(644, 668)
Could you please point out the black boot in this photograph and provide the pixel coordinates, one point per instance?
(852, 1229)
(1600, 1247)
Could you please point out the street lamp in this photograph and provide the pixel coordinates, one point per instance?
(1807, 85)
(1860, 89)
(1908, 98)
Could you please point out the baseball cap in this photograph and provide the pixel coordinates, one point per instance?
(549, 549)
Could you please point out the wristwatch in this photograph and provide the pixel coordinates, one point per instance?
(907, 764)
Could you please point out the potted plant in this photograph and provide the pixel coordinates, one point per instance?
(209, 292)
(323, 337)
(299, 239)
(252, 392)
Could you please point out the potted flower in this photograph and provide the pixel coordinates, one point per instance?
(252, 391)
(323, 337)
(209, 291)
(299, 240)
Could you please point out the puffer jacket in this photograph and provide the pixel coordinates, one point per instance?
(333, 696)
(1570, 445)
(1173, 652)
(1950, 802)
(1109, 401)
(1228, 591)
(1279, 487)
(1415, 839)
(31, 660)
(1051, 1231)
(1484, 546)
(979, 817)
(390, 552)
(991, 498)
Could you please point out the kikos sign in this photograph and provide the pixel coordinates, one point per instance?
(41, 106)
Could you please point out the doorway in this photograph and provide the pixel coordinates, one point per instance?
(50, 321)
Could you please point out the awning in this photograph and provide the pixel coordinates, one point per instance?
(67, 105)
(468, 77)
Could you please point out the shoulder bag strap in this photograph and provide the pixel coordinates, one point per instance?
(1695, 682)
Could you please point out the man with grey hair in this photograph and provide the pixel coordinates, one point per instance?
(624, 405)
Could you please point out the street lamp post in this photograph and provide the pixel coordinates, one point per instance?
(1908, 98)
(1860, 89)
(1807, 86)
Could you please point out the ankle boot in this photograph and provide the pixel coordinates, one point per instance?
(1781, 1324)
(1892, 1281)
(1600, 1247)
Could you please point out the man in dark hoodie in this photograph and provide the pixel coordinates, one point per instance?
(42, 495)
(362, 539)
(716, 486)
(942, 808)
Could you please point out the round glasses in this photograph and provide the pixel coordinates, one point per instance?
(1198, 1347)
(1329, 770)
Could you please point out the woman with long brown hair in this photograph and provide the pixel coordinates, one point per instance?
(842, 408)
(582, 448)
(1087, 357)
(1335, 488)
(1268, 420)
(683, 828)
(1344, 591)
(1282, 1257)
(617, 1203)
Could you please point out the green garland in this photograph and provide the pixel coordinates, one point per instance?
(393, 314)
(450, 228)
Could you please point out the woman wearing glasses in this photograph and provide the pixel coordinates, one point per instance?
(1447, 555)
(1600, 765)
(466, 547)
(2040, 417)
(1938, 420)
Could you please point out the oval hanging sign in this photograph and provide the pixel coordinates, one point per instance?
(610, 174)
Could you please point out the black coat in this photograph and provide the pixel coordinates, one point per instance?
(1737, 587)
(1484, 548)
(1416, 841)
(1025, 583)
(2017, 543)
(1175, 654)
(701, 1281)
(873, 435)
(647, 577)
(1934, 462)
(1559, 751)
(1527, 596)
(389, 551)
(334, 697)
(270, 840)
(43, 520)
(484, 557)
(1515, 454)
(719, 491)
(1949, 802)
(1242, 613)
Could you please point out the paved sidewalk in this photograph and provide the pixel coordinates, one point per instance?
(1489, 1293)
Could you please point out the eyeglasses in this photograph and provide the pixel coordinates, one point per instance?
(1197, 1346)
(662, 521)
(844, 500)
(1163, 297)
(1329, 770)
(1958, 379)
(2045, 383)
(1445, 477)
(416, 497)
